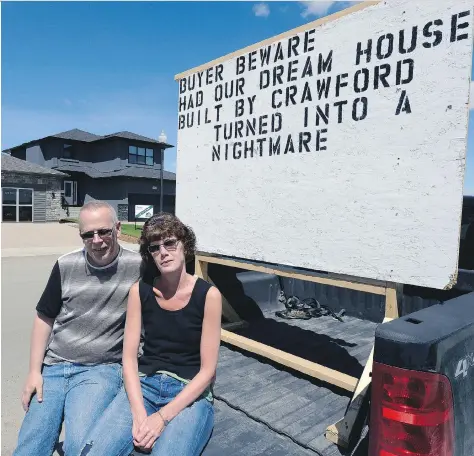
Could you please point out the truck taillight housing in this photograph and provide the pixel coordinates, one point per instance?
(411, 413)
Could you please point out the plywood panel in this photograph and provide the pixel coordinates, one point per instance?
(340, 147)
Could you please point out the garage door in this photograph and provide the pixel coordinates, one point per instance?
(17, 204)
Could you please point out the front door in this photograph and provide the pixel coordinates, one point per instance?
(70, 192)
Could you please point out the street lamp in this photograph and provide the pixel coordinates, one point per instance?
(162, 139)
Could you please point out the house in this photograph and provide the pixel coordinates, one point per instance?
(30, 192)
(122, 168)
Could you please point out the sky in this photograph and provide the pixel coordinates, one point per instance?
(106, 67)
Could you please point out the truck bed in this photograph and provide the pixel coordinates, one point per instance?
(262, 406)
(265, 408)
(237, 434)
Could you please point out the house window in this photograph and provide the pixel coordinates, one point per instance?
(140, 155)
(68, 151)
(17, 204)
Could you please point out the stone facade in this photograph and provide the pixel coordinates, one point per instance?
(45, 187)
(54, 207)
(70, 212)
(122, 212)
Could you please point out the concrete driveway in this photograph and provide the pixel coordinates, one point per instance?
(28, 255)
(29, 239)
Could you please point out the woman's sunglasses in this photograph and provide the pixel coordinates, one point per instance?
(169, 244)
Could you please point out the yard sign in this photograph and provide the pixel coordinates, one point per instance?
(339, 146)
(142, 211)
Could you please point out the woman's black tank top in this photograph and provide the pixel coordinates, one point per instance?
(172, 338)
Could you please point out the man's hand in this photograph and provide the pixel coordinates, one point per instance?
(42, 327)
(34, 383)
(149, 430)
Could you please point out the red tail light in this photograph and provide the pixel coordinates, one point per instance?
(411, 413)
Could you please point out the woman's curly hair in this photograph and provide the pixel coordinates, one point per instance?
(161, 226)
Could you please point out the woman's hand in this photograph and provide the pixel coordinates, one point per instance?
(149, 430)
(138, 419)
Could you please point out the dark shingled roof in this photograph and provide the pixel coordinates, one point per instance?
(145, 173)
(12, 164)
(133, 136)
(77, 135)
(141, 172)
(84, 136)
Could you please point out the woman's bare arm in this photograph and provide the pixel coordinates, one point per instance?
(133, 326)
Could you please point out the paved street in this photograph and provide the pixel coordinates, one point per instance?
(28, 254)
(23, 279)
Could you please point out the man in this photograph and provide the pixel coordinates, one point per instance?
(76, 345)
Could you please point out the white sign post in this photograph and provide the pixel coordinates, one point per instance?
(339, 146)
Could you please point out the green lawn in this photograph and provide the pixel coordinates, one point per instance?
(129, 229)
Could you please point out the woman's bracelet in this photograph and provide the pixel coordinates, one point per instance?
(166, 422)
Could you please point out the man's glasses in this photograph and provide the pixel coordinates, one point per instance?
(103, 232)
(169, 244)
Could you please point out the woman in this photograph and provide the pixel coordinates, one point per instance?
(166, 405)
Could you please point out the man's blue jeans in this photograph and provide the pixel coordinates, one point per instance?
(186, 435)
(74, 393)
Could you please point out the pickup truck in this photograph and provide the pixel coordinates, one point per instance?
(420, 401)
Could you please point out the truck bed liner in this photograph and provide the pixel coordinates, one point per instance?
(237, 434)
(281, 402)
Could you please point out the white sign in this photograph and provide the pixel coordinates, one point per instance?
(340, 146)
(142, 211)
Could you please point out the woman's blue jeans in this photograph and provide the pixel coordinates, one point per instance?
(186, 435)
